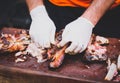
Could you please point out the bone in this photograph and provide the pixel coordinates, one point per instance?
(111, 72)
(118, 62)
(102, 40)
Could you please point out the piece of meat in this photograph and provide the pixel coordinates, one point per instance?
(117, 79)
(34, 51)
(57, 58)
(101, 40)
(112, 72)
(13, 43)
(55, 54)
(96, 49)
(96, 52)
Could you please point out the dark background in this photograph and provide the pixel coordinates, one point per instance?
(15, 13)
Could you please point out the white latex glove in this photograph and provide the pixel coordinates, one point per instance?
(42, 29)
(78, 33)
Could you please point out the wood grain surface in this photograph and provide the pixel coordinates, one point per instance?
(73, 70)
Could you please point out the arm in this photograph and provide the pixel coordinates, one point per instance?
(33, 3)
(97, 9)
(42, 29)
(83, 26)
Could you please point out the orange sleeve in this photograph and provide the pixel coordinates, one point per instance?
(117, 2)
(77, 3)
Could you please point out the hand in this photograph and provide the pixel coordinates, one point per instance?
(78, 33)
(42, 29)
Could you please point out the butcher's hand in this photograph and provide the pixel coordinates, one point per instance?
(78, 33)
(42, 29)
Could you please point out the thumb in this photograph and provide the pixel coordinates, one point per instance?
(62, 43)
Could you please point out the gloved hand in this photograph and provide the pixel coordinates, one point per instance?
(78, 33)
(42, 29)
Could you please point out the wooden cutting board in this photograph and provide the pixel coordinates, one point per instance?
(73, 69)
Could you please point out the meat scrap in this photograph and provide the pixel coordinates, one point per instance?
(13, 43)
(102, 40)
(56, 55)
(33, 50)
(96, 50)
(113, 70)
(117, 78)
(19, 60)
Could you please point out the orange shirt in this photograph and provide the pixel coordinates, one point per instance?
(77, 3)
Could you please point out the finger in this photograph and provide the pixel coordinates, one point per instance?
(37, 44)
(40, 43)
(82, 48)
(71, 47)
(46, 43)
(52, 36)
(65, 32)
(78, 49)
(62, 43)
(32, 38)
